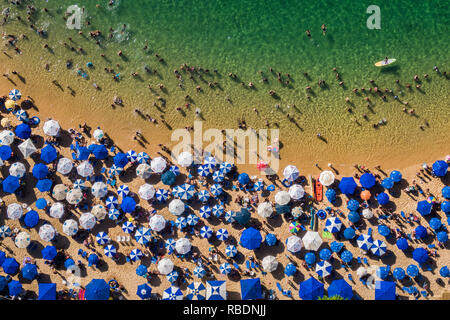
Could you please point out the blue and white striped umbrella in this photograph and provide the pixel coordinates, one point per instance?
(216, 190)
(111, 202)
(218, 210)
(175, 191)
(79, 184)
(364, 242)
(222, 234)
(175, 170)
(199, 272)
(143, 235)
(110, 251)
(205, 212)
(172, 277)
(231, 251)
(123, 190)
(186, 191)
(115, 170)
(258, 186)
(113, 214)
(333, 224)
(323, 268)
(210, 162)
(181, 222)
(143, 157)
(170, 245)
(5, 231)
(203, 171)
(218, 176)
(172, 293)
(102, 238)
(132, 156)
(225, 268)
(162, 195)
(192, 219)
(136, 255)
(206, 232)
(197, 291)
(230, 216)
(226, 167)
(15, 95)
(378, 248)
(128, 227)
(203, 195)
(22, 115)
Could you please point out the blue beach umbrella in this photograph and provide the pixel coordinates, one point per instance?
(41, 203)
(384, 230)
(353, 205)
(97, 289)
(110, 251)
(2, 257)
(290, 269)
(325, 254)
(162, 195)
(412, 270)
(378, 248)
(5, 152)
(382, 272)
(93, 260)
(225, 268)
(216, 190)
(47, 291)
(349, 233)
(446, 192)
(243, 178)
(102, 238)
(402, 244)
(251, 238)
(68, 263)
(143, 157)
(29, 271)
(206, 232)
(40, 171)
(226, 167)
(445, 207)
(113, 214)
(82, 153)
(353, 216)
(271, 239)
(136, 255)
(31, 219)
(346, 256)
(435, 223)
(10, 184)
(222, 234)
(23, 131)
(5, 232)
(399, 273)
(205, 212)
(175, 170)
(123, 190)
(120, 159)
(144, 291)
(3, 283)
(10, 266)
(387, 183)
(333, 224)
(385, 290)
(172, 293)
(367, 180)
(336, 246)
(310, 258)
(44, 185)
(242, 216)
(383, 198)
(111, 202)
(340, 288)
(128, 204)
(218, 176)
(128, 227)
(141, 270)
(347, 185)
(168, 178)
(251, 289)
(197, 291)
(79, 184)
(421, 232)
(365, 242)
(186, 191)
(15, 95)
(132, 156)
(218, 210)
(442, 236)
(181, 222)
(192, 219)
(203, 171)
(231, 251)
(424, 207)
(199, 272)
(258, 186)
(396, 176)
(115, 170)
(420, 255)
(440, 168)
(203, 195)
(331, 195)
(210, 162)
(311, 289)
(100, 152)
(170, 245)
(230, 216)
(21, 115)
(15, 288)
(444, 272)
(49, 153)
(49, 253)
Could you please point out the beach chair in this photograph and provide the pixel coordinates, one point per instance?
(359, 260)
(84, 254)
(80, 252)
(424, 293)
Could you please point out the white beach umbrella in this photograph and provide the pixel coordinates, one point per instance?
(282, 197)
(183, 246)
(64, 166)
(60, 191)
(47, 232)
(367, 213)
(143, 171)
(265, 209)
(6, 137)
(27, 148)
(294, 244)
(17, 169)
(99, 212)
(70, 227)
(185, 159)
(14, 211)
(57, 210)
(176, 207)
(291, 172)
(51, 128)
(326, 178)
(146, 191)
(87, 220)
(312, 241)
(98, 134)
(296, 191)
(165, 266)
(99, 189)
(85, 169)
(157, 223)
(74, 196)
(269, 263)
(22, 240)
(158, 164)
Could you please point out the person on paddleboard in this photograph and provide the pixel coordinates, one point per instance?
(386, 60)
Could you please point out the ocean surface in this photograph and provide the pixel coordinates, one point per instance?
(246, 38)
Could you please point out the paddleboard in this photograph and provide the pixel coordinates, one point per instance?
(319, 190)
(312, 187)
(383, 63)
